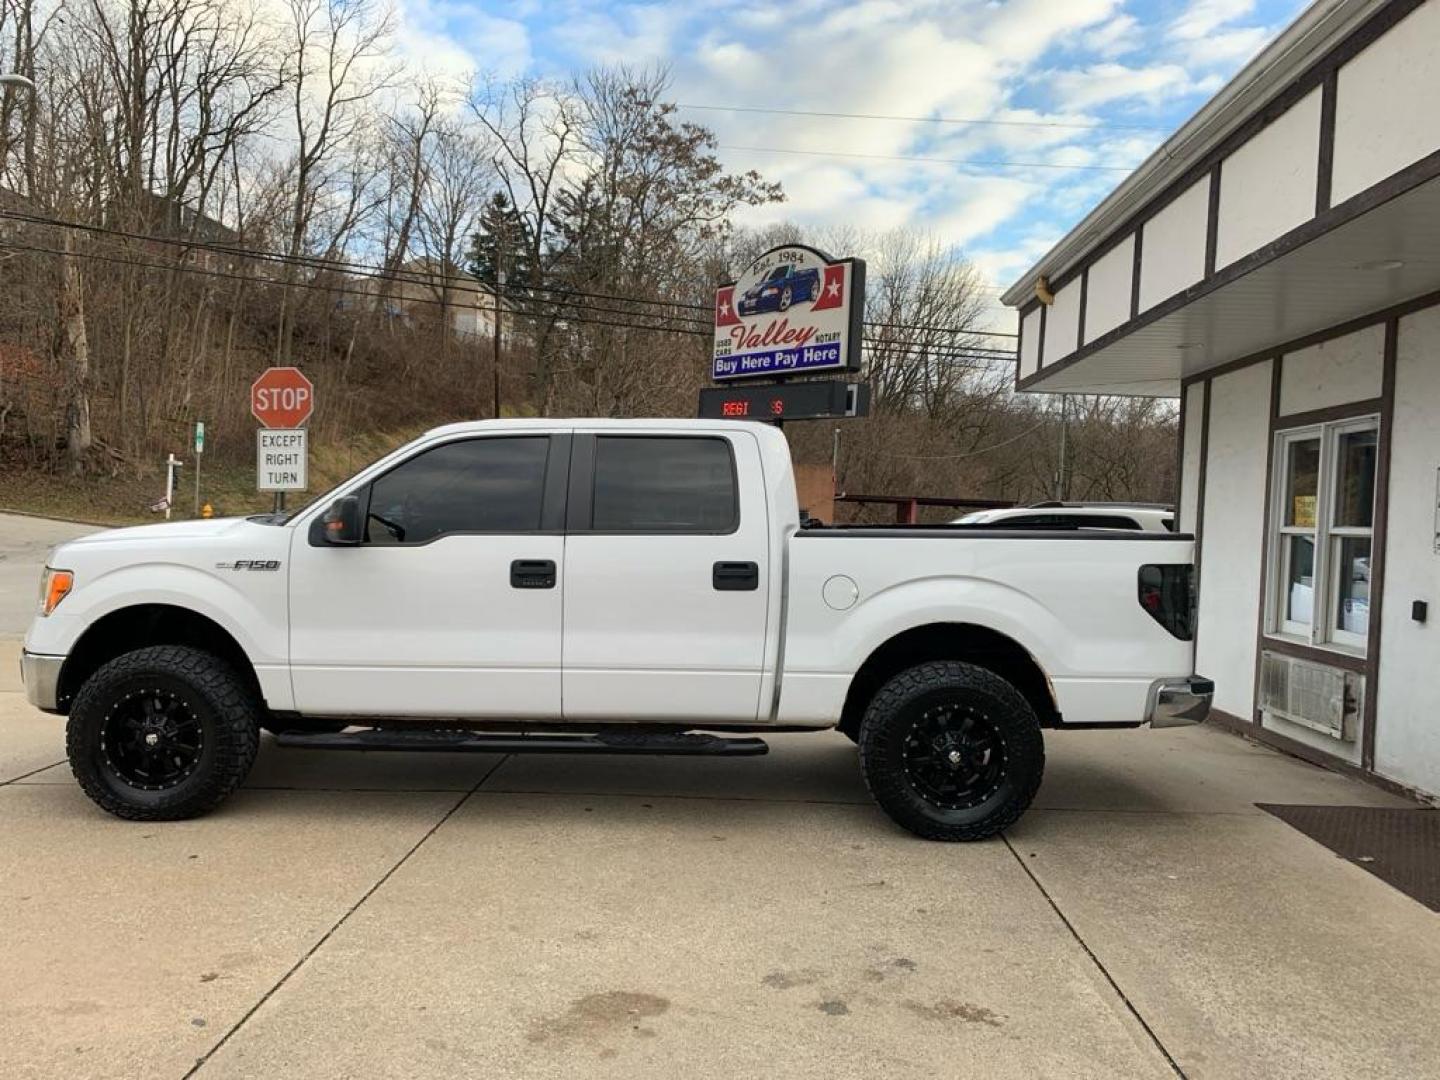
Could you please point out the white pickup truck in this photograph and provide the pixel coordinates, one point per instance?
(591, 586)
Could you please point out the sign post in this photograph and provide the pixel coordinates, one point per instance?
(199, 449)
(282, 399)
(172, 466)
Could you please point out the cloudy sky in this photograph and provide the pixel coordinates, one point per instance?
(1073, 94)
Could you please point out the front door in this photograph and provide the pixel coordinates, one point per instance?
(452, 604)
(667, 583)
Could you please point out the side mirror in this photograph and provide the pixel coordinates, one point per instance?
(341, 525)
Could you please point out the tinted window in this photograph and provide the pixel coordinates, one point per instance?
(664, 485)
(480, 485)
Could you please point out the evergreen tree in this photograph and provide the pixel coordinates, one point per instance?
(502, 243)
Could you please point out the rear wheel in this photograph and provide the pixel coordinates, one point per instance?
(951, 751)
(161, 733)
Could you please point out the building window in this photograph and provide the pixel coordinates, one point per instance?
(1324, 525)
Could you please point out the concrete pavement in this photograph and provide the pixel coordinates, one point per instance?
(408, 915)
(24, 543)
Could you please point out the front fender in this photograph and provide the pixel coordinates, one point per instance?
(251, 607)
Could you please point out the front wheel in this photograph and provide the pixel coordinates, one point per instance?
(161, 733)
(951, 751)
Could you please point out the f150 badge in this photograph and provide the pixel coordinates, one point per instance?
(249, 564)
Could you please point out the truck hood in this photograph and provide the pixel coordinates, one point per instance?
(167, 531)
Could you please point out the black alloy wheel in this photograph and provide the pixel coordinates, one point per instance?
(953, 755)
(951, 751)
(163, 732)
(152, 739)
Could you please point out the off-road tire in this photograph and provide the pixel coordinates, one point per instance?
(212, 692)
(304, 725)
(887, 725)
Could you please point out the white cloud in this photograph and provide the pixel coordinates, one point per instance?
(977, 206)
(1102, 83)
(1065, 60)
(1203, 17)
(629, 34)
(1002, 265)
(452, 39)
(1115, 38)
(1228, 47)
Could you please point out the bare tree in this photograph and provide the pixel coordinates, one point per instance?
(334, 65)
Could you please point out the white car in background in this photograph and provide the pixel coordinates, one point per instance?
(1144, 517)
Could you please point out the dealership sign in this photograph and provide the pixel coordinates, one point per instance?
(793, 311)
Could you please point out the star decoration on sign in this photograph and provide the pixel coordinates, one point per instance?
(724, 307)
(833, 288)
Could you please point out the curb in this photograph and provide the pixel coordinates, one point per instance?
(63, 521)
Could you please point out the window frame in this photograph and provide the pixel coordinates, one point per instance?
(557, 458)
(580, 510)
(1327, 538)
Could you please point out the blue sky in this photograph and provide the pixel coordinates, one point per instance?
(1092, 83)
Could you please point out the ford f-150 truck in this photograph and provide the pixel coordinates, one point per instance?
(590, 586)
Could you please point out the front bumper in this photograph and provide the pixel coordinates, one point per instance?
(1179, 702)
(41, 675)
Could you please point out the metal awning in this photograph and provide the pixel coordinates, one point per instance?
(1310, 284)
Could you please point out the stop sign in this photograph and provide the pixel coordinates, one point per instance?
(282, 398)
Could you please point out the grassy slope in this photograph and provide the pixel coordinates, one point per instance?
(228, 486)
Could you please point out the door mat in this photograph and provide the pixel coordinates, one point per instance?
(1399, 846)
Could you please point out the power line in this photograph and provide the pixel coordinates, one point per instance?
(346, 266)
(421, 278)
(968, 453)
(928, 160)
(1073, 125)
(971, 353)
(333, 290)
(939, 329)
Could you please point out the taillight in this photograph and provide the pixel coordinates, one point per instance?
(1167, 593)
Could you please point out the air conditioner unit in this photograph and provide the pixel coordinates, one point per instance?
(1325, 699)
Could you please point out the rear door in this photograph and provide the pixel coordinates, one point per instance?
(667, 583)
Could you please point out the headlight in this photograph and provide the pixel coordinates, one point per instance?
(54, 587)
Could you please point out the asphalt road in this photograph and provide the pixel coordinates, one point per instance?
(444, 915)
(24, 543)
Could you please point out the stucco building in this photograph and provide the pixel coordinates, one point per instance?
(1276, 265)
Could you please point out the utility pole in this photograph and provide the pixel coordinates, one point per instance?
(1060, 484)
(495, 372)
